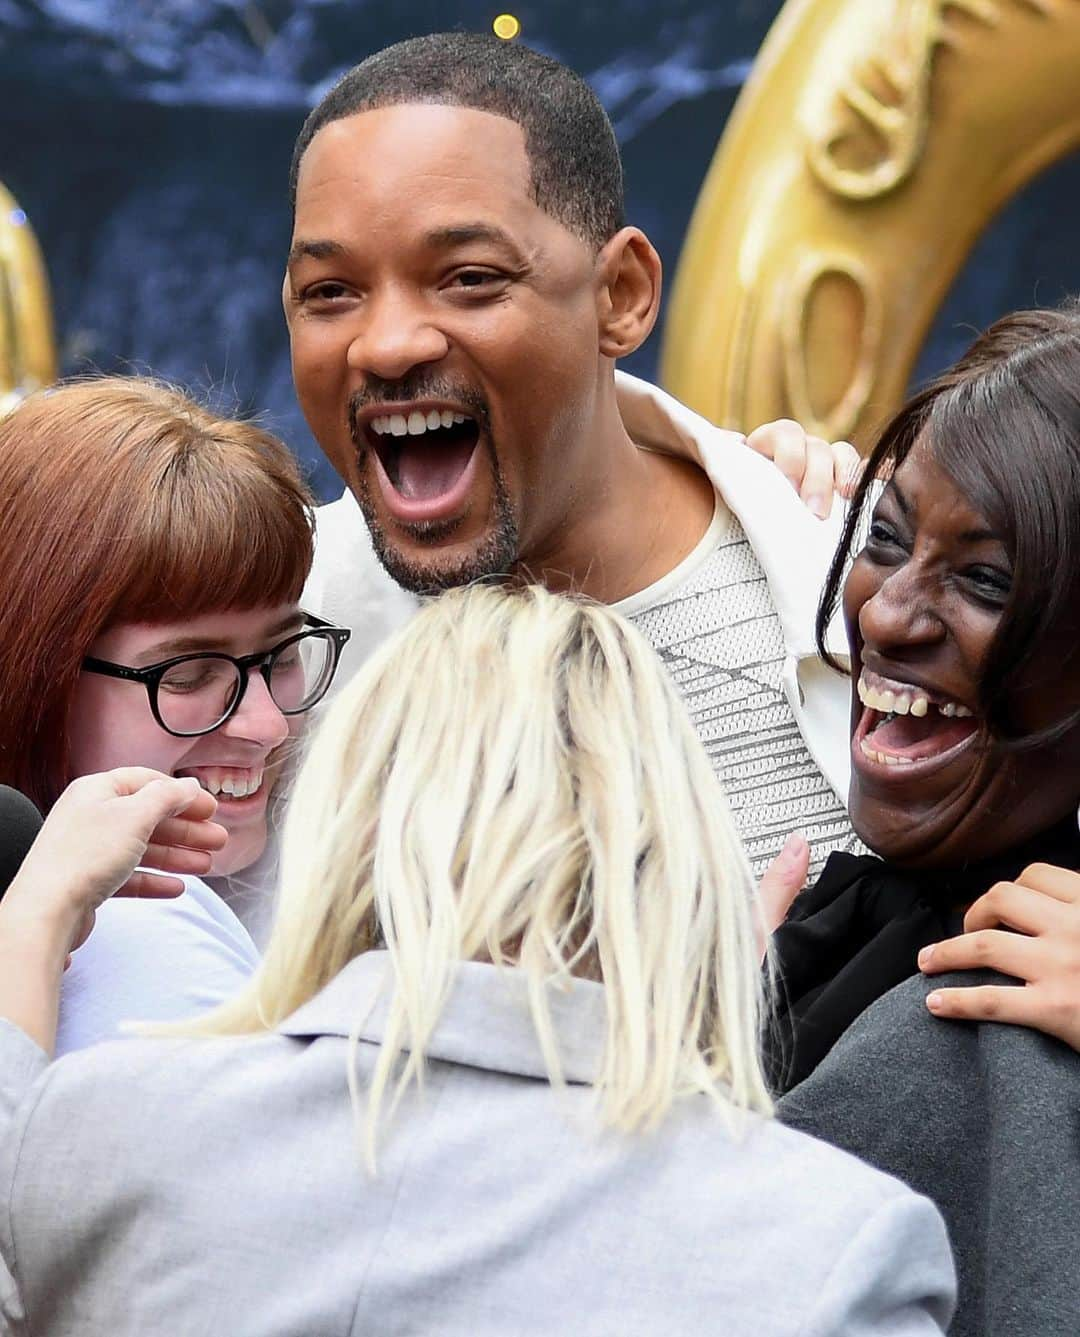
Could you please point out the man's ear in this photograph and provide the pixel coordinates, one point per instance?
(628, 292)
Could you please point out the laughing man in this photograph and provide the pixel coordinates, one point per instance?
(460, 287)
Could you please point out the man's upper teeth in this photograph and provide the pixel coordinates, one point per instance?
(415, 423)
(905, 701)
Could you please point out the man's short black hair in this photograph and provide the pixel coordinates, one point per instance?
(573, 156)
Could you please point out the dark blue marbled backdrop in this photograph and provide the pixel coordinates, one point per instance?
(149, 142)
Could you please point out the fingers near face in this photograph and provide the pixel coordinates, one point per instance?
(1060, 883)
(783, 442)
(817, 484)
(988, 949)
(183, 834)
(811, 465)
(847, 467)
(151, 885)
(1016, 907)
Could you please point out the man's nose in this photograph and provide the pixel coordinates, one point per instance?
(258, 718)
(902, 614)
(398, 332)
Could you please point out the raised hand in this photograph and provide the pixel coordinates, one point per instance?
(94, 837)
(782, 881)
(102, 827)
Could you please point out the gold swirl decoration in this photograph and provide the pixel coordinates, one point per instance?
(27, 347)
(871, 145)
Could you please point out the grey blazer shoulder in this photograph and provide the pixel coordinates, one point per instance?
(215, 1186)
(984, 1119)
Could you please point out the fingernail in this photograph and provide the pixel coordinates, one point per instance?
(818, 507)
(934, 1001)
(793, 846)
(925, 957)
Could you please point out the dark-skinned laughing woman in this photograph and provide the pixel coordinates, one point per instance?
(962, 607)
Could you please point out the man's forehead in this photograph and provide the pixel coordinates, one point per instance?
(405, 144)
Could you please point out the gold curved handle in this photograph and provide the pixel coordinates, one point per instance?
(872, 144)
(27, 346)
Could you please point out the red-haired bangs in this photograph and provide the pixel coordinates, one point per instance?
(222, 531)
(122, 500)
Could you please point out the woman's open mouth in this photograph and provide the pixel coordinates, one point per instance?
(236, 788)
(905, 731)
(425, 460)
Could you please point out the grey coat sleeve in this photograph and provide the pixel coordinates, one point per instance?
(894, 1279)
(22, 1064)
(982, 1118)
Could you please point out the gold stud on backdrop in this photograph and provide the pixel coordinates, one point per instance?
(506, 26)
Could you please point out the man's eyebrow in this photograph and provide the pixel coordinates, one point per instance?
(445, 238)
(194, 645)
(461, 234)
(315, 250)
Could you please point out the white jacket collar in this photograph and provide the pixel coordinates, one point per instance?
(793, 546)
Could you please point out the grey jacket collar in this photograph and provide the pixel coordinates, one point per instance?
(485, 1023)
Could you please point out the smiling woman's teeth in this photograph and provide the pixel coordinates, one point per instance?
(230, 781)
(885, 758)
(902, 702)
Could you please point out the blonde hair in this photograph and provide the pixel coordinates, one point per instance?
(513, 778)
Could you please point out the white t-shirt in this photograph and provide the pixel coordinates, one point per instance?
(714, 626)
(153, 960)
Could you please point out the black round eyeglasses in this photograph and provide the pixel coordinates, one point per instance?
(195, 694)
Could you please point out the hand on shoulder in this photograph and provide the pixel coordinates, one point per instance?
(816, 469)
(1029, 929)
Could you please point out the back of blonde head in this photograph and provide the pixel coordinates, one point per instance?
(514, 778)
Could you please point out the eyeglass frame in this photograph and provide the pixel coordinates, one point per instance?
(150, 676)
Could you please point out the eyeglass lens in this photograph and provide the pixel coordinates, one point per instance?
(196, 694)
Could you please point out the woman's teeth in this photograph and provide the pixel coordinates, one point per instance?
(885, 758)
(230, 781)
(904, 702)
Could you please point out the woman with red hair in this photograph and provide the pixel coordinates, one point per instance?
(152, 556)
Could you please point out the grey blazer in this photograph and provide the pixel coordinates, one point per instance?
(985, 1119)
(213, 1188)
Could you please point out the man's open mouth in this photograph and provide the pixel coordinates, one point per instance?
(425, 454)
(904, 726)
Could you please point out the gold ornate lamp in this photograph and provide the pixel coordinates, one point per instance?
(873, 142)
(27, 346)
